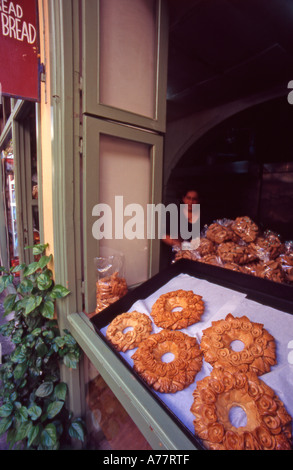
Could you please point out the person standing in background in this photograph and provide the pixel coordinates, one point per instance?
(188, 224)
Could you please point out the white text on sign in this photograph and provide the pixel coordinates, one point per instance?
(13, 25)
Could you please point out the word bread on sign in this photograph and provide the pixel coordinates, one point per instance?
(13, 24)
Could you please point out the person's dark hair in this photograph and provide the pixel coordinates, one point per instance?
(187, 190)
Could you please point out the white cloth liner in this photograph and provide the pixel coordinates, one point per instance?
(219, 301)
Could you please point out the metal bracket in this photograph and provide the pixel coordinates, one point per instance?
(42, 73)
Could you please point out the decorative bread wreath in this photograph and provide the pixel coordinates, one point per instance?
(258, 354)
(164, 315)
(140, 326)
(168, 377)
(267, 427)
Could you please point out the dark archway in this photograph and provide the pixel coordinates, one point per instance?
(244, 166)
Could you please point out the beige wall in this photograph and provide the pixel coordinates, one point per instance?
(45, 128)
(127, 81)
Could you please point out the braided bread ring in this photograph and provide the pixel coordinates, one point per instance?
(168, 377)
(259, 352)
(268, 425)
(141, 328)
(192, 309)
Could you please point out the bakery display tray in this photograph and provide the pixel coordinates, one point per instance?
(277, 297)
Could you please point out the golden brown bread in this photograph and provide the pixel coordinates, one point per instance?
(140, 323)
(286, 262)
(168, 377)
(230, 252)
(268, 425)
(109, 289)
(206, 247)
(267, 247)
(245, 228)
(185, 254)
(211, 259)
(164, 315)
(219, 233)
(258, 354)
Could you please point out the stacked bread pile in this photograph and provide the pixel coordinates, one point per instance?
(109, 289)
(240, 245)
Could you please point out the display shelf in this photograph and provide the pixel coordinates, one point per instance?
(159, 424)
(160, 430)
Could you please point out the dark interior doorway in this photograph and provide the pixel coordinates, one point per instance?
(244, 166)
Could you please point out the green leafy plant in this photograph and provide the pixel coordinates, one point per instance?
(33, 413)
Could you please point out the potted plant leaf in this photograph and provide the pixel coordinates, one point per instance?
(33, 411)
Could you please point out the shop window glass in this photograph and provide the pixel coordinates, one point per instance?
(125, 168)
(34, 180)
(128, 38)
(9, 204)
(5, 110)
(108, 424)
(19, 181)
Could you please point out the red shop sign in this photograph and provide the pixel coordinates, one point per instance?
(19, 49)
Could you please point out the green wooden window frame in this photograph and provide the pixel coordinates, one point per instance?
(92, 104)
(93, 129)
(71, 143)
(23, 177)
(17, 128)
